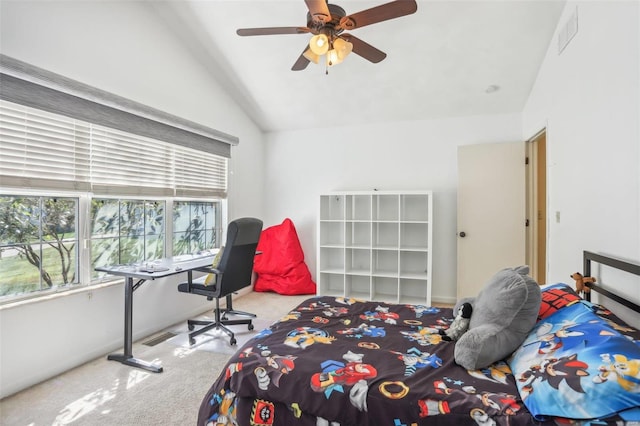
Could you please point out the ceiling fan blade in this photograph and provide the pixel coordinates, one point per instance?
(272, 31)
(302, 61)
(394, 9)
(364, 49)
(318, 10)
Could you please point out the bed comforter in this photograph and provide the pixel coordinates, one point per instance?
(339, 361)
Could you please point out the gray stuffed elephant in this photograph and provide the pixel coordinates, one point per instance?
(504, 312)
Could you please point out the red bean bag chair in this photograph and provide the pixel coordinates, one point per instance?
(281, 268)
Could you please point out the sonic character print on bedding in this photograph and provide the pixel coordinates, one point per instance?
(575, 365)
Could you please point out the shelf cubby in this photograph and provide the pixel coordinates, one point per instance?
(358, 286)
(358, 234)
(384, 289)
(385, 235)
(332, 284)
(414, 208)
(385, 263)
(332, 234)
(332, 259)
(414, 264)
(332, 207)
(358, 207)
(413, 291)
(385, 207)
(414, 236)
(358, 261)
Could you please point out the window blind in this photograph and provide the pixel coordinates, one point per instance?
(50, 151)
(42, 150)
(35, 87)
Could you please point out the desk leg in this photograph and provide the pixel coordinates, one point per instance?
(127, 357)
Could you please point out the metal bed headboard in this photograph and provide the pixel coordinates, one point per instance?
(632, 268)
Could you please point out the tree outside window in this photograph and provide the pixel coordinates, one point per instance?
(196, 226)
(126, 231)
(38, 243)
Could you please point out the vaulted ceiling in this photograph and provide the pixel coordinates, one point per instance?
(450, 58)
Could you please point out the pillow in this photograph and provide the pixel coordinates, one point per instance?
(211, 278)
(504, 312)
(560, 295)
(574, 365)
(556, 297)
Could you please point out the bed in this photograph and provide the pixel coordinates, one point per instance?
(336, 361)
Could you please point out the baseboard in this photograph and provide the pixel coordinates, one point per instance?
(445, 300)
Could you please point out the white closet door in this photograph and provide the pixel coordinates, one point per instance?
(491, 212)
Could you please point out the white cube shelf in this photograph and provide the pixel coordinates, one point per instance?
(376, 245)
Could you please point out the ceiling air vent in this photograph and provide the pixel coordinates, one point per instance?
(568, 31)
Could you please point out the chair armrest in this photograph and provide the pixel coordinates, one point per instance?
(208, 269)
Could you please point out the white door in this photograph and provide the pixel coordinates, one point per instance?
(491, 212)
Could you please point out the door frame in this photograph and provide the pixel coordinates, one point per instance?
(537, 211)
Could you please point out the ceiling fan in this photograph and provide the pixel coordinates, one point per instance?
(327, 22)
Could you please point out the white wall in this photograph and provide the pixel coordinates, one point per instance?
(123, 48)
(589, 99)
(303, 164)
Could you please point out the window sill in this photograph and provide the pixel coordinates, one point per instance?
(47, 295)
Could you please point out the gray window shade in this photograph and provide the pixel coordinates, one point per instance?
(40, 150)
(28, 85)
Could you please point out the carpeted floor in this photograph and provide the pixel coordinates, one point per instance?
(108, 393)
(217, 340)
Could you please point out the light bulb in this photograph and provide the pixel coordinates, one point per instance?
(333, 58)
(319, 44)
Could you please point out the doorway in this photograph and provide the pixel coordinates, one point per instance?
(536, 183)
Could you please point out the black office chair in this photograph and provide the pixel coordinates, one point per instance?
(232, 274)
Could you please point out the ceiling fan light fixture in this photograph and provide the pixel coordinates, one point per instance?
(333, 58)
(342, 47)
(312, 57)
(319, 44)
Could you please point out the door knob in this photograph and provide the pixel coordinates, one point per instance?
(462, 234)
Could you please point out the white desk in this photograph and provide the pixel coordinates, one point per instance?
(161, 268)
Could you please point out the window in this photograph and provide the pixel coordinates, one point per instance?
(90, 178)
(38, 243)
(196, 226)
(40, 235)
(126, 231)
